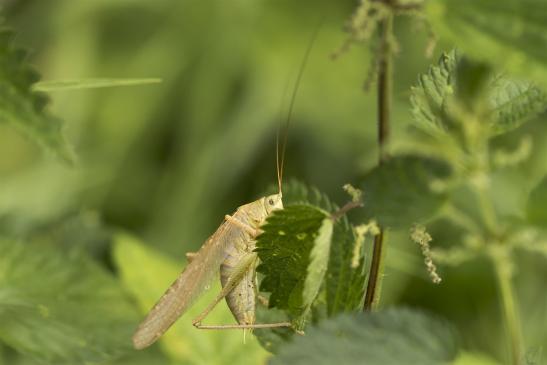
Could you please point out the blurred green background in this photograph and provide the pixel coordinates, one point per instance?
(167, 161)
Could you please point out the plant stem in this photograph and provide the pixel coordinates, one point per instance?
(372, 296)
(502, 267)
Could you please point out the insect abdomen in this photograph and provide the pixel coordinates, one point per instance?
(242, 299)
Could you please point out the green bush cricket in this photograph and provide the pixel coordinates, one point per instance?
(229, 250)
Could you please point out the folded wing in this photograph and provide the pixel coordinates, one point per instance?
(187, 288)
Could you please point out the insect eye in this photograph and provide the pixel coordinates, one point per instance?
(271, 201)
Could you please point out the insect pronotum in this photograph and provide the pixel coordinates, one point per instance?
(231, 250)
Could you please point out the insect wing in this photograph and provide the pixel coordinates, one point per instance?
(187, 288)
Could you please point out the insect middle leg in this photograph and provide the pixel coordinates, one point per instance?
(244, 265)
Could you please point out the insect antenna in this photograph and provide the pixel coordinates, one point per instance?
(283, 129)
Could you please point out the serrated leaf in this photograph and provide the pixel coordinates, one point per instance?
(536, 212)
(296, 192)
(509, 33)
(428, 98)
(511, 102)
(94, 83)
(59, 307)
(147, 274)
(515, 102)
(24, 108)
(345, 282)
(294, 255)
(399, 192)
(384, 338)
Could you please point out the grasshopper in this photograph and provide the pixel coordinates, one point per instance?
(229, 250)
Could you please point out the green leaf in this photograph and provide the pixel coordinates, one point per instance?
(24, 108)
(509, 34)
(515, 102)
(398, 193)
(147, 274)
(272, 339)
(535, 207)
(428, 98)
(511, 102)
(296, 192)
(471, 358)
(471, 83)
(345, 282)
(94, 83)
(384, 338)
(59, 307)
(294, 252)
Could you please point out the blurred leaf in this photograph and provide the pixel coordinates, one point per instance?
(96, 83)
(428, 98)
(294, 252)
(398, 193)
(471, 82)
(509, 33)
(470, 358)
(512, 102)
(147, 274)
(57, 306)
(391, 337)
(21, 106)
(515, 102)
(536, 212)
(274, 338)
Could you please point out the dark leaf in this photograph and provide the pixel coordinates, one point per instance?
(384, 338)
(294, 252)
(398, 193)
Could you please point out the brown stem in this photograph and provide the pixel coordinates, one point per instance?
(384, 108)
(346, 208)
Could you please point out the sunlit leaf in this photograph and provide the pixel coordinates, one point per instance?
(428, 98)
(536, 212)
(147, 274)
(392, 337)
(59, 307)
(471, 358)
(24, 108)
(507, 33)
(96, 83)
(511, 102)
(515, 102)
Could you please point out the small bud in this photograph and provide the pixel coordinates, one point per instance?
(419, 235)
(361, 231)
(356, 194)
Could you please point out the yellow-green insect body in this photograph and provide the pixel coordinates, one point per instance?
(230, 251)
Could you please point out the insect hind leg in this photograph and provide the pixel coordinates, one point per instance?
(243, 326)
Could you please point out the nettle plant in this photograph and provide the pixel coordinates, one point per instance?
(321, 266)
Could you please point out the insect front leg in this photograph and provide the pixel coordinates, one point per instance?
(236, 222)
